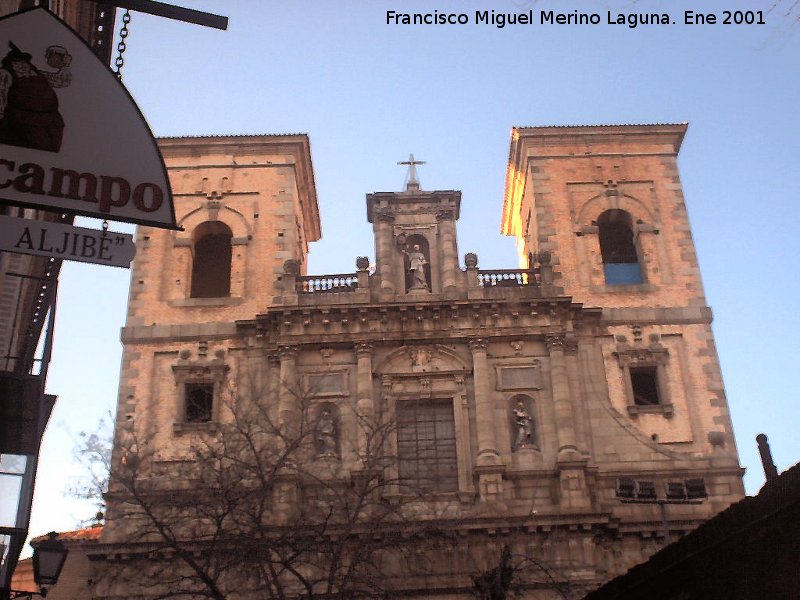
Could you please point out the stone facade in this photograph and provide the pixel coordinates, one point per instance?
(567, 415)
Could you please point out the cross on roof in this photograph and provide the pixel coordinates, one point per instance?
(413, 180)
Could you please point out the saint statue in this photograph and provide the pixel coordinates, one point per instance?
(325, 434)
(524, 426)
(416, 266)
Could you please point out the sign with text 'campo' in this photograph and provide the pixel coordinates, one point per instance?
(61, 240)
(71, 137)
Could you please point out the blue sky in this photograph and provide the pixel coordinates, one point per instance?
(368, 93)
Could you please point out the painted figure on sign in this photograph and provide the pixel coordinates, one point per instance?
(29, 115)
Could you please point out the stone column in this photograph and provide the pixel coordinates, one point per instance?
(365, 405)
(484, 411)
(448, 251)
(466, 486)
(574, 373)
(286, 489)
(273, 385)
(385, 250)
(562, 403)
(570, 463)
(489, 465)
(289, 410)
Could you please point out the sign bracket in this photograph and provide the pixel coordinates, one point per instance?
(170, 11)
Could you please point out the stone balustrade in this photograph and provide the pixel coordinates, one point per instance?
(326, 284)
(506, 278)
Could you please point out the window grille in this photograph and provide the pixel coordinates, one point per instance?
(426, 446)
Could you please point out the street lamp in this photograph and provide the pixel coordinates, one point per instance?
(48, 559)
(49, 556)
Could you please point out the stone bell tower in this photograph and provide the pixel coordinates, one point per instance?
(606, 201)
(415, 240)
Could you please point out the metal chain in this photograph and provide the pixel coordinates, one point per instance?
(121, 46)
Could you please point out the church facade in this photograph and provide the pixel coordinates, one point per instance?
(542, 428)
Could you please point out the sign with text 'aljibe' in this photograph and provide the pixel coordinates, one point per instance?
(71, 137)
(67, 242)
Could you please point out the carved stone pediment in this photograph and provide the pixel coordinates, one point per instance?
(195, 370)
(641, 356)
(421, 358)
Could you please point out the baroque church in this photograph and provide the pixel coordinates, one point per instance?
(423, 427)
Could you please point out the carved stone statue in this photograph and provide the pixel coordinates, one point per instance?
(416, 266)
(524, 426)
(325, 434)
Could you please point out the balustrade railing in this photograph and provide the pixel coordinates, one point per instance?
(506, 278)
(327, 284)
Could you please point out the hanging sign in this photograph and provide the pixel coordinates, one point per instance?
(71, 137)
(61, 240)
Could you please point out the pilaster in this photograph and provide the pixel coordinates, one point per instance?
(384, 219)
(288, 401)
(365, 404)
(490, 465)
(570, 463)
(447, 250)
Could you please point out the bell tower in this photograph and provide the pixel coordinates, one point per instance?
(606, 202)
(245, 205)
(415, 240)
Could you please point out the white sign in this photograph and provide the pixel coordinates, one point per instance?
(60, 240)
(71, 137)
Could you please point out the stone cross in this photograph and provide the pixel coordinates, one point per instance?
(413, 180)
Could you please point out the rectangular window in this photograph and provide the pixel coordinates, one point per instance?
(696, 489)
(626, 488)
(631, 489)
(426, 446)
(199, 399)
(12, 473)
(645, 490)
(675, 490)
(644, 381)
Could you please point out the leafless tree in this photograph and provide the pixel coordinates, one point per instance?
(92, 451)
(253, 508)
(786, 8)
(514, 575)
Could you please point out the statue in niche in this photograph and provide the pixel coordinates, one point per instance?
(523, 423)
(416, 268)
(325, 434)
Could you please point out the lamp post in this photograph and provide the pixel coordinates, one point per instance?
(49, 556)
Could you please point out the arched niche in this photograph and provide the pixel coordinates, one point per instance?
(211, 260)
(618, 247)
(412, 242)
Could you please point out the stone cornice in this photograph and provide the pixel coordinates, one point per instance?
(443, 321)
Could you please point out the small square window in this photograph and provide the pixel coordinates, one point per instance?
(675, 490)
(199, 399)
(645, 490)
(696, 489)
(644, 382)
(626, 488)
